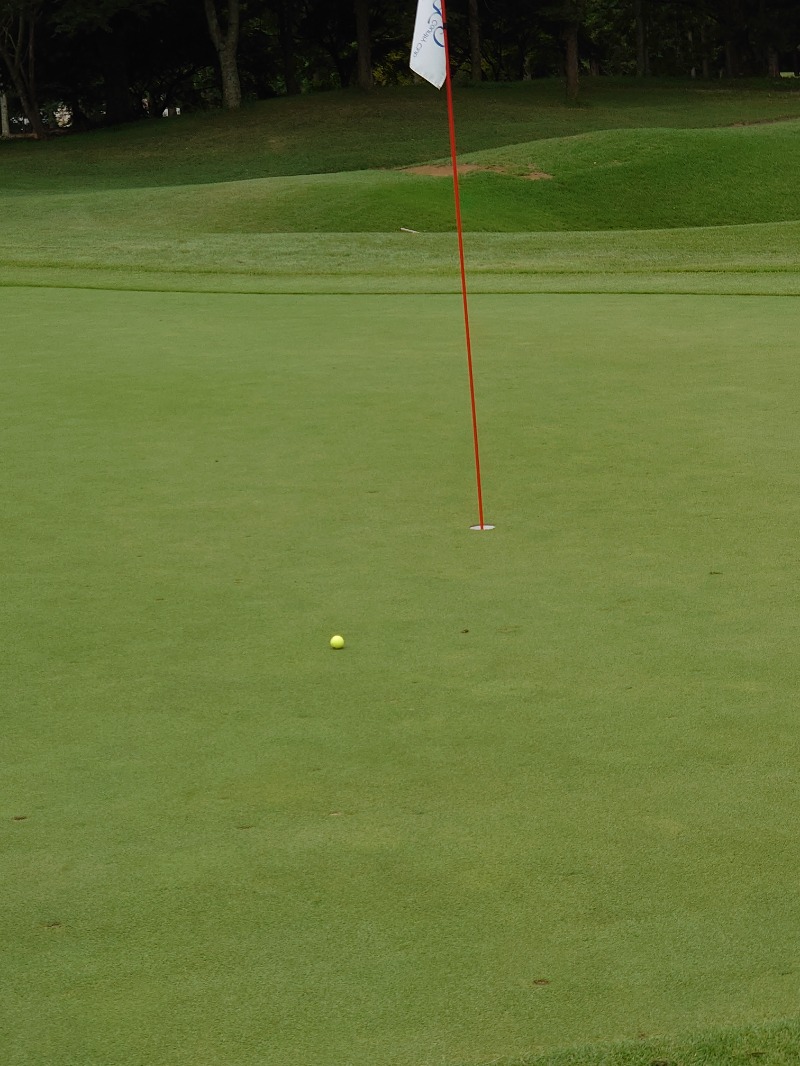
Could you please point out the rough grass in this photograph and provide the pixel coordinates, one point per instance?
(743, 260)
(345, 131)
(660, 179)
(776, 1044)
(342, 231)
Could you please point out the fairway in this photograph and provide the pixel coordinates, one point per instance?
(546, 795)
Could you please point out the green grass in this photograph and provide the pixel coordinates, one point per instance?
(776, 1044)
(539, 811)
(675, 178)
(346, 131)
(561, 752)
(71, 215)
(732, 260)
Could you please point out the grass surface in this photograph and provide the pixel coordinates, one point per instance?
(345, 131)
(558, 753)
(80, 210)
(776, 1044)
(730, 260)
(539, 811)
(674, 178)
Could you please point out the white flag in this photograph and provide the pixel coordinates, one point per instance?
(427, 48)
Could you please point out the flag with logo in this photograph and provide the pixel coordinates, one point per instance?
(430, 59)
(427, 48)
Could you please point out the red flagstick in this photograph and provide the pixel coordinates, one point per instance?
(453, 154)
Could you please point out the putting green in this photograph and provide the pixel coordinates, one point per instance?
(545, 795)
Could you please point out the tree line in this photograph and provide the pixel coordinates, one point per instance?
(81, 63)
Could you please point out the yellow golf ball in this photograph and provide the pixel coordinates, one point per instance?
(337, 642)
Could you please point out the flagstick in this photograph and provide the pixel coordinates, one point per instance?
(481, 525)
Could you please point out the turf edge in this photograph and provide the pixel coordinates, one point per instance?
(769, 1044)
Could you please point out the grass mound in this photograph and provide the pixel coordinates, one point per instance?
(147, 206)
(347, 131)
(291, 234)
(643, 179)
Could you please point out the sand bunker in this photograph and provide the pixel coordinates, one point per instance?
(446, 170)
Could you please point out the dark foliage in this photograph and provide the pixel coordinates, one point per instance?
(109, 61)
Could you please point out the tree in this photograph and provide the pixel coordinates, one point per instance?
(642, 58)
(327, 35)
(285, 14)
(116, 60)
(100, 48)
(475, 64)
(569, 15)
(226, 42)
(361, 10)
(18, 21)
